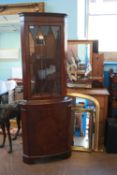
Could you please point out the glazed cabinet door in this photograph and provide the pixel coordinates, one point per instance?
(43, 57)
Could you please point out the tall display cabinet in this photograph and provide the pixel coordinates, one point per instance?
(46, 115)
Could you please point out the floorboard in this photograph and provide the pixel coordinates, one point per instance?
(80, 163)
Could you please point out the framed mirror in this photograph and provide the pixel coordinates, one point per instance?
(79, 62)
(83, 113)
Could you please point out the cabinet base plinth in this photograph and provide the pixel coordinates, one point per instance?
(45, 159)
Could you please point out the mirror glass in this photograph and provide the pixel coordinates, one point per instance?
(10, 47)
(9, 23)
(83, 113)
(79, 64)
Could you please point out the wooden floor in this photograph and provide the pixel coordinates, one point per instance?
(78, 164)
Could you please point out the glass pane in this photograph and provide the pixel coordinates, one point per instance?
(104, 29)
(102, 6)
(44, 42)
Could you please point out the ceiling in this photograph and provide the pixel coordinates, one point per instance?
(9, 23)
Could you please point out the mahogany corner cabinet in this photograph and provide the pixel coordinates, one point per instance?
(46, 115)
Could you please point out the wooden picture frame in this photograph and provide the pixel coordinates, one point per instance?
(9, 9)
